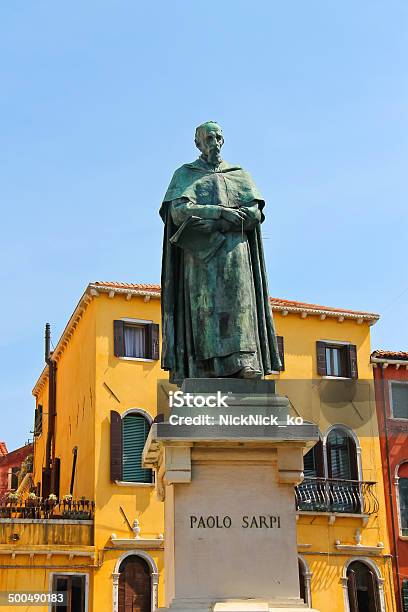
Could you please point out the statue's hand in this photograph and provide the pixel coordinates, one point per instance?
(204, 226)
(233, 216)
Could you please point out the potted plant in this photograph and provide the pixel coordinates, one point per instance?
(32, 500)
(67, 499)
(12, 498)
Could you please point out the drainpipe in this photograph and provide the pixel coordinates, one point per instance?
(390, 485)
(51, 402)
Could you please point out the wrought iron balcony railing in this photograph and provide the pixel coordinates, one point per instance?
(332, 495)
(11, 506)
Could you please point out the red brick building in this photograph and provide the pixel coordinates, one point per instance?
(391, 392)
(10, 464)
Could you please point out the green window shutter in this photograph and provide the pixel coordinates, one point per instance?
(281, 349)
(341, 456)
(135, 432)
(405, 594)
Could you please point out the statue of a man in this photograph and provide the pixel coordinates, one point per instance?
(216, 317)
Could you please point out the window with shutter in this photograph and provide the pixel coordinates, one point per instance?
(115, 446)
(74, 585)
(405, 594)
(281, 349)
(399, 400)
(342, 465)
(38, 420)
(403, 504)
(136, 339)
(341, 456)
(135, 429)
(55, 476)
(337, 360)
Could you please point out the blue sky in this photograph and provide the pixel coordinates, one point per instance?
(98, 105)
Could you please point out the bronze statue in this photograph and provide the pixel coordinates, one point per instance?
(216, 317)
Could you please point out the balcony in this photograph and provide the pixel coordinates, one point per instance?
(328, 495)
(35, 524)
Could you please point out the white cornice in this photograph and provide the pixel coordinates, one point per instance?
(385, 360)
(94, 290)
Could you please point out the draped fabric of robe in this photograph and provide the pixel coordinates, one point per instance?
(216, 316)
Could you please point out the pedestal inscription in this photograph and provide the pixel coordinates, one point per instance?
(230, 525)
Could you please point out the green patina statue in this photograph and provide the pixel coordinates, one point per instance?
(216, 318)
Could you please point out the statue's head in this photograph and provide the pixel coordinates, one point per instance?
(209, 139)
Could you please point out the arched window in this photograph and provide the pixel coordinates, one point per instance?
(403, 497)
(134, 589)
(341, 455)
(341, 452)
(128, 434)
(331, 476)
(135, 430)
(362, 588)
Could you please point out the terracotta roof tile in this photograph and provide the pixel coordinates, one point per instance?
(306, 305)
(278, 302)
(397, 355)
(118, 285)
(3, 449)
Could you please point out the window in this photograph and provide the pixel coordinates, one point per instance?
(341, 455)
(38, 420)
(75, 587)
(405, 594)
(127, 440)
(334, 488)
(135, 430)
(399, 400)
(13, 477)
(338, 360)
(136, 339)
(403, 498)
(362, 587)
(281, 350)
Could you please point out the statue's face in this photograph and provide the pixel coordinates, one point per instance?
(211, 142)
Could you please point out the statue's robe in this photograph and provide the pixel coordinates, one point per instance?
(216, 316)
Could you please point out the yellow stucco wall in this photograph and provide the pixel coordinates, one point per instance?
(91, 382)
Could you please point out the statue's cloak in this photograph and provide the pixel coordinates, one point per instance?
(228, 186)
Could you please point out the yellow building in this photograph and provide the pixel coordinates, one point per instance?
(95, 401)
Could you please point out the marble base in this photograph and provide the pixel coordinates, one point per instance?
(230, 521)
(238, 605)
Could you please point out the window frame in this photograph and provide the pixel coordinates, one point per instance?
(391, 402)
(135, 322)
(38, 421)
(62, 573)
(150, 420)
(344, 346)
(401, 535)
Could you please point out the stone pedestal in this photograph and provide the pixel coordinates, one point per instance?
(230, 523)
